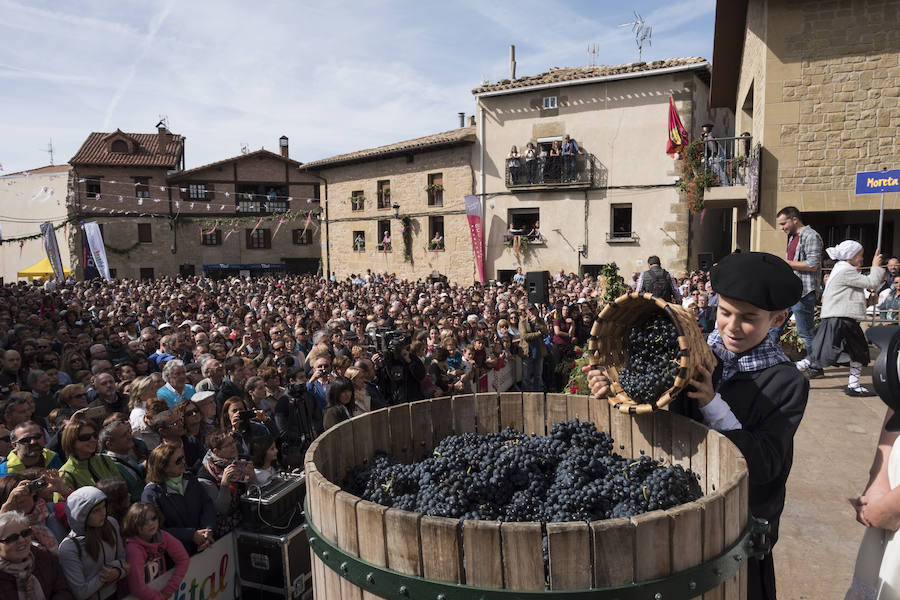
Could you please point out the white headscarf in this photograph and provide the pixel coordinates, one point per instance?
(842, 253)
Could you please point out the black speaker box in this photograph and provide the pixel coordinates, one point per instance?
(704, 261)
(274, 565)
(537, 283)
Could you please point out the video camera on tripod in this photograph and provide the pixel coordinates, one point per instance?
(387, 341)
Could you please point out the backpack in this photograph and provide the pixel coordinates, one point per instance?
(657, 282)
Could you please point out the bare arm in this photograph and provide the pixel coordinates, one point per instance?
(869, 505)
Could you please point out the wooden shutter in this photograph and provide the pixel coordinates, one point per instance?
(249, 239)
(185, 191)
(267, 238)
(210, 192)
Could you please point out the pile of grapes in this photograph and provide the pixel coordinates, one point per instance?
(652, 360)
(570, 475)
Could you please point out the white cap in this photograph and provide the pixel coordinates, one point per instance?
(201, 396)
(164, 326)
(188, 323)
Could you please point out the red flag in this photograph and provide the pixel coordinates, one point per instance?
(475, 216)
(678, 135)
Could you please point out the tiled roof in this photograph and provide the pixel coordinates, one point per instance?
(446, 139)
(262, 152)
(49, 169)
(94, 151)
(561, 74)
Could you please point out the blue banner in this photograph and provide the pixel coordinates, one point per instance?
(876, 182)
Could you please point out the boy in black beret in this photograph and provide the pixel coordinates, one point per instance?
(754, 395)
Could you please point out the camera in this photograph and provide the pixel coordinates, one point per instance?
(246, 415)
(386, 341)
(36, 485)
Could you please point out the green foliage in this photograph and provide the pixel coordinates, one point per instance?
(615, 285)
(523, 243)
(406, 233)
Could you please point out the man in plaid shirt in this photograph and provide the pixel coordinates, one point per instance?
(804, 255)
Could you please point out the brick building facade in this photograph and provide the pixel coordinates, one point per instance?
(419, 184)
(816, 82)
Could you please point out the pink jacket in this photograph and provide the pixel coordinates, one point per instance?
(148, 561)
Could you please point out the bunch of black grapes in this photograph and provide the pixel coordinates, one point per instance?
(570, 475)
(652, 359)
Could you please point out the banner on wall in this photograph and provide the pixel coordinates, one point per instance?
(51, 247)
(211, 574)
(97, 249)
(475, 216)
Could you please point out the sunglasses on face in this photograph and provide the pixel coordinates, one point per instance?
(25, 533)
(83, 437)
(31, 439)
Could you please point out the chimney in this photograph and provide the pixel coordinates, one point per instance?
(512, 62)
(471, 121)
(462, 119)
(283, 145)
(163, 136)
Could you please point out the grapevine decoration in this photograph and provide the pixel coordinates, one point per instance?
(694, 179)
(572, 474)
(615, 285)
(122, 251)
(406, 233)
(24, 238)
(517, 243)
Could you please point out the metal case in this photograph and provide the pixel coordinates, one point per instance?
(274, 565)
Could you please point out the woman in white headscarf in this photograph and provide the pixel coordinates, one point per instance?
(839, 338)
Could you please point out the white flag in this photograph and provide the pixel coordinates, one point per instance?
(98, 251)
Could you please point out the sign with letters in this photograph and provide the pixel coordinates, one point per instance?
(876, 182)
(210, 576)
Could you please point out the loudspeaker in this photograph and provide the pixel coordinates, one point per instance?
(274, 565)
(537, 284)
(704, 261)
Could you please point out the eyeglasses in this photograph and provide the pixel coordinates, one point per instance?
(31, 439)
(83, 437)
(25, 533)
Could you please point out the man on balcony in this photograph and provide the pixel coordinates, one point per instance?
(569, 150)
(713, 154)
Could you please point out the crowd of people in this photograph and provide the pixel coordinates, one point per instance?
(134, 414)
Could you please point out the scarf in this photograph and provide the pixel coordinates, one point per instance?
(763, 356)
(29, 588)
(176, 484)
(37, 518)
(230, 519)
(215, 465)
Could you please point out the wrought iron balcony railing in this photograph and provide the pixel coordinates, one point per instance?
(551, 172)
(727, 159)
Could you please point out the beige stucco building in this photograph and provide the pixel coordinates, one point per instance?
(29, 198)
(621, 203)
(818, 85)
(413, 189)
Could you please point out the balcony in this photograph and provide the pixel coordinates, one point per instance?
(728, 165)
(552, 173)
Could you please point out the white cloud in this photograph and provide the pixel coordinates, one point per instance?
(334, 77)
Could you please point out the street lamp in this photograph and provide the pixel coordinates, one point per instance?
(396, 208)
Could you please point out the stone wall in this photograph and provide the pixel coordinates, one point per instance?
(408, 179)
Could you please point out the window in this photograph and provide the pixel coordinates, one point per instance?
(385, 243)
(92, 186)
(302, 238)
(317, 192)
(359, 241)
(549, 102)
(212, 239)
(524, 221)
(119, 147)
(248, 203)
(142, 187)
(260, 239)
(621, 221)
(146, 273)
(435, 189)
(357, 200)
(384, 193)
(145, 233)
(436, 233)
(197, 191)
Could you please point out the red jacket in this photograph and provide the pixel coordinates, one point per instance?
(148, 561)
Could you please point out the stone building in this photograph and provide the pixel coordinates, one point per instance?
(400, 208)
(818, 85)
(29, 198)
(619, 201)
(222, 218)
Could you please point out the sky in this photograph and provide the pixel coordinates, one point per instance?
(333, 76)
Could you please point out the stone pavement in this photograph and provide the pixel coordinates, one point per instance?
(833, 451)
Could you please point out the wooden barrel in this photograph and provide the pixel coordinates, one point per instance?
(676, 548)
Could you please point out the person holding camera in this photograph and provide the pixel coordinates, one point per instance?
(242, 423)
(31, 493)
(298, 417)
(319, 379)
(224, 478)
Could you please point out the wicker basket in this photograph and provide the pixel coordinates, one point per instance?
(607, 346)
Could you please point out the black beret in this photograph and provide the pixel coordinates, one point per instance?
(764, 280)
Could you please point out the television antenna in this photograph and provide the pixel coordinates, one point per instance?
(245, 148)
(48, 150)
(642, 33)
(593, 50)
(164, 121)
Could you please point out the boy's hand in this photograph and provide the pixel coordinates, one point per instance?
(597, 380)
(703, 389)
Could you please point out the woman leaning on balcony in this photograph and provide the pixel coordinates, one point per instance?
(512, 162)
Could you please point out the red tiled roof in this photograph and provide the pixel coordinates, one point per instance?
(262, 152)
(41, 170)
(561, 74)
(94, 151)
(445, 139)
